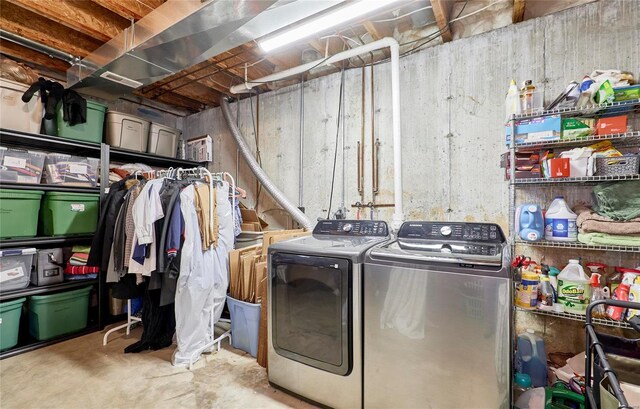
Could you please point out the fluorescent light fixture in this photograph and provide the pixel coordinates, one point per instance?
(324, 22)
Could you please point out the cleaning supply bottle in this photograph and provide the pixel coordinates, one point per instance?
(545, 290)
(600, 269)
(531, 358)
(512, 101)
(527, 290)
(574, 288)
(621, 293)
(560, 222)
(597, 294)
(526, 96)
(530, 222)
(614, 279)
(553, 279)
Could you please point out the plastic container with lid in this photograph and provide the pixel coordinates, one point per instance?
(531, 358)
(16, 114)
(21, 166)
(19, 212)
(574, 288)
(10, 313)
(68, 170)
(58, 314)
(69, 213)
(527, 290)
(127, 131)
(163, 140)
(560, 222)
(15, 268)
(89, 131)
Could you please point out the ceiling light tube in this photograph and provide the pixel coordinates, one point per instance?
(324, 22)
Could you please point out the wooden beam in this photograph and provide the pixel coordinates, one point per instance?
(518, 11)
(200, 93)
(377, 32)
(441, 10)
(79, 15)
(30, 56)
(22, 22)
(181, 101)
(130, 9)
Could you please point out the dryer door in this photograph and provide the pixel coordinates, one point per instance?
(311, 301)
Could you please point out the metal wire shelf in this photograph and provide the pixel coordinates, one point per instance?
(579, 246)
(583, 179)
(589, 110)
(620, 139)
(578, 317)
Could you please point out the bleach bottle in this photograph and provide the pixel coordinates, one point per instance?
(574, 288)
(560, 222)
(531, 358)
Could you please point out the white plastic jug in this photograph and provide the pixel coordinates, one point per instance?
(560, 222)
(574, 288)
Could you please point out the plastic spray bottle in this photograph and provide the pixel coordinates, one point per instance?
(597, 293)
(545, 290)
(600, 268)
(622, 294)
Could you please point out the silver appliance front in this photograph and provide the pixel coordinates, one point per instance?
(437, 324)
(315, 328)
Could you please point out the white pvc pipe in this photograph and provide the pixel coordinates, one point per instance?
(398, 215)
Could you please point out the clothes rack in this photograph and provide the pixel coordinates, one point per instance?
(179, 173)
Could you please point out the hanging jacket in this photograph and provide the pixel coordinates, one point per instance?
(74, 107)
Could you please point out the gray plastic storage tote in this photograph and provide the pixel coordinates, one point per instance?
(15, 268)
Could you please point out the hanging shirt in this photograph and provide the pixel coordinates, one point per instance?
(147, 209)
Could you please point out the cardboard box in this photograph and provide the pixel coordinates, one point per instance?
(577, 127)
(612, 125)
(545, 128)
(199, 149)
(250, 217)
(560, 167)
(626, 93)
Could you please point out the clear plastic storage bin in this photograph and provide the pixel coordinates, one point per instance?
(62, 169)
(15, 268)
(21, 166)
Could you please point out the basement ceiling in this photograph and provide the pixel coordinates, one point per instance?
(79, 27)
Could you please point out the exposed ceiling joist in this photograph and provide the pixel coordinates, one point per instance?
(181, 101)
(377, 32)
(22, 22)
(79, 15)
(441, 10)
(32, 57)
(518, 11)
(130, 9)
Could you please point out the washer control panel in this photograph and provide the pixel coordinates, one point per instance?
(452, 232)
(374, 228)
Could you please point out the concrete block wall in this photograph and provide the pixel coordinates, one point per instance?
(452, 125)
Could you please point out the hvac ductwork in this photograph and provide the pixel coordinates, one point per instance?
(273, 190)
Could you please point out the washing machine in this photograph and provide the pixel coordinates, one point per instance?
(437, 318)
(315, 311)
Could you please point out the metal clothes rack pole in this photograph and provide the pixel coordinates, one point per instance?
(215, 342)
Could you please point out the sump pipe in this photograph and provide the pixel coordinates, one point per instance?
(273, 190)
(398, 215)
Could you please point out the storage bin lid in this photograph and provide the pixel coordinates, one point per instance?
(10, 305)
(85, 197)
(18, 252)
(117, 116)
(155, 127)
(67, 295)
(21, 194)
(96, 106)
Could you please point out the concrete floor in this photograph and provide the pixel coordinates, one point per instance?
(81, 373)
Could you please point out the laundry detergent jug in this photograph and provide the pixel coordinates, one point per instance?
(560, 222)
(574, 288)
(531, 358)
(530, 222)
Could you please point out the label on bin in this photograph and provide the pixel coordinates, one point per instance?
(78, 169)
(15, 162)
(11, 274)
(77, 207)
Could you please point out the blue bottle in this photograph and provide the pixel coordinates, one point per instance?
(531, 358)
(530, 222)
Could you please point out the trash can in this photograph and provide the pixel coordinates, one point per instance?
(245, 325)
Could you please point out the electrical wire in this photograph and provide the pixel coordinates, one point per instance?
(335, 154)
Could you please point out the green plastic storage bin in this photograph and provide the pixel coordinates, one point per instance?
(90, 131)
(69, 213)
(58, 314)
(10, 313)
(19, 212)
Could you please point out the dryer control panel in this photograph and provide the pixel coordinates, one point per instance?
(375, 228)
(448, 232)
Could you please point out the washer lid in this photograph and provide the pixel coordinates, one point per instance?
(334, 246)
